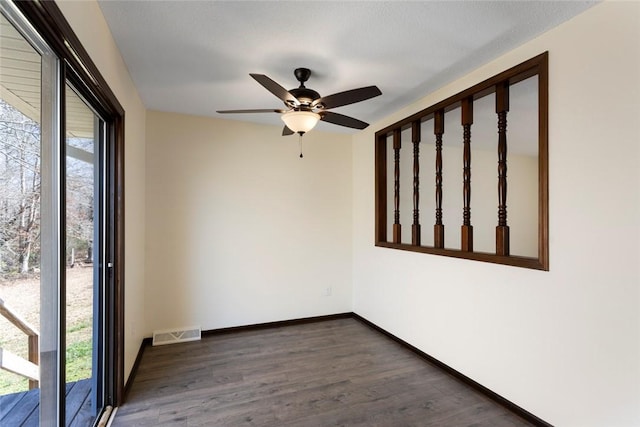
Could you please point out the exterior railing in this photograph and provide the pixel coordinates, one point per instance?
(16, 364)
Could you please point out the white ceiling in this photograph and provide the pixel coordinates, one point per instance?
(194, 57)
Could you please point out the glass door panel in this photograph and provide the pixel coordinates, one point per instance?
(83, 282)
(20, 228)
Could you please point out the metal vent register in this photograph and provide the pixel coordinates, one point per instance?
(172, 336)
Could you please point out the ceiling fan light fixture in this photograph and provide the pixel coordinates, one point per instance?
(300, 121)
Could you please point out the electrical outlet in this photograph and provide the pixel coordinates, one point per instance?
(327, 291)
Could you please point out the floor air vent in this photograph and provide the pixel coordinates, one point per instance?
(172, 336)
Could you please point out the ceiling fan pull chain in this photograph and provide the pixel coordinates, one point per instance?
(300, 142)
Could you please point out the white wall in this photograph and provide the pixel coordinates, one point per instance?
(240, 230)
(563, 344)
(88, 23)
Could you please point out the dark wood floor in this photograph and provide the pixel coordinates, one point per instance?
(332, 373)
(22, 409)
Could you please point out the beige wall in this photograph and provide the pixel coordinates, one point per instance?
(240, 230)
(563, 344)
(89, 25)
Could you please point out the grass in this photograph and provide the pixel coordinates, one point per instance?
(78, 361)
(11, 383)
(23, 296)
(79, 326)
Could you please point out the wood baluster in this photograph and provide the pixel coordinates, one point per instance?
(397, 144)
(33, 349)
(415, 138)
(502, 107)
(438, 228)
(467, 228)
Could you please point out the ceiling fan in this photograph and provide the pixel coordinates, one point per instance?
(305, 107)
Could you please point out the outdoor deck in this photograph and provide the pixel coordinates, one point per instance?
(21, 409)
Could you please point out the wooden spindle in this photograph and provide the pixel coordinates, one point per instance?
(397, 144)
(467, 228)
(415, 138)
(33, 350)
(438, 228)
(502, 107)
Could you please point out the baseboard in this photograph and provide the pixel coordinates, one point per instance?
(521, 412)
(277, 324)
(134, 370)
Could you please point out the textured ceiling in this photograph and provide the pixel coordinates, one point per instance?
(194, 57)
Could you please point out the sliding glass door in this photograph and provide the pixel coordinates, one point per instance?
(60, 297)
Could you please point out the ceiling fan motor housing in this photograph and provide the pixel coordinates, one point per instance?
(305, 95)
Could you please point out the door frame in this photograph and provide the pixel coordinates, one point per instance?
(78, 68)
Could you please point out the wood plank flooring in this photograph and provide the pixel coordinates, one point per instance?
(331, 373)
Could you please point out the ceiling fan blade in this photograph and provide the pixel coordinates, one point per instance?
(273, 110)
(286, 131)
(342, 120)
(275, 88)
(347, 97)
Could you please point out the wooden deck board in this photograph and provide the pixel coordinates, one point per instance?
(79, 404)
(21, 409)
(7, 402)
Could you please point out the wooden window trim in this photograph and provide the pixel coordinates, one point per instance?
(534, 66)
